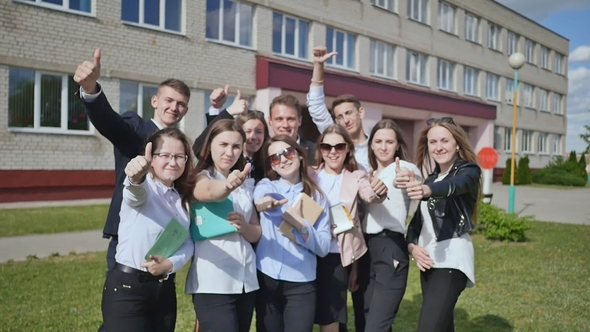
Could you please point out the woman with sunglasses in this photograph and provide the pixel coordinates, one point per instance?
(140, 295)
(256, 130)
(287, 269)
(385, 226)
(438, 235)
(343, 183)
(222, 276)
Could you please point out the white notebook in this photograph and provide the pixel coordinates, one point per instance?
(341, 218)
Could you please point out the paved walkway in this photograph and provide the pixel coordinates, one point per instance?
(564, 206)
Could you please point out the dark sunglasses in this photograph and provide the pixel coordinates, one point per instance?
(445, 119)
(327, 148)
(289, 153)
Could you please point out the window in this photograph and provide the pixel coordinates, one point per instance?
(529, 51)
(230, 22)
(385, 4)
(44, 101)
(289, 36)
(543, 100)
(558, 62)
(508, 139)
(136, 97)
(417, 10)
(470, 76)
(471, 28)
(416, 67)
(556, 144)
(381, 60)
(512, 39)
(343, 43)
(159, 14)
(557, 103)
(492, 86)
(446, 17)
(542, 143)
(77, 6)
(509, 97)
(445, 75)
(494, 36)
(544, 57)
(528, 95)
(527, 141)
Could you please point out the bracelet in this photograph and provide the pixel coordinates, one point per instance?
(317, 82)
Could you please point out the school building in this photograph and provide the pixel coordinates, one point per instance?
(408, 60)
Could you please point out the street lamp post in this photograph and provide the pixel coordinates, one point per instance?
(516, 61)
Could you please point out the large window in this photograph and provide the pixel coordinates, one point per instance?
(417, 10)
(446, 17)
(44, 101)
(556, 144)
(416, 67)
(492, 83)
(445, 75)
(471, 28)
(558, 63)
(158, 14)
(470, 78)
(529, 51)
(543, 95)
(557, 103)
(382, 59)
(229, 22)
(544, 57)
(289, 36)
(527, 91)
(542, 139)
(527, 141)
(509, 91)
(136, 97)
(494, 36)
(512, 42)
(345, 44)
(508, 139)
(76, 6)
(385, 4)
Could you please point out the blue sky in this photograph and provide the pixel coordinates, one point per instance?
(571, 19)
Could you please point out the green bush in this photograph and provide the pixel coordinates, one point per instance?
(523, 171)
(495, 224)
(573, 158)
(559, 177)
(506, 174)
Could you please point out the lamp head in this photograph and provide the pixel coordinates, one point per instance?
(516, 60)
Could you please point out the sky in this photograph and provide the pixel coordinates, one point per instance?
(571, 19)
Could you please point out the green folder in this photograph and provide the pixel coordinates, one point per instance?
(209, 219)
(169, 240)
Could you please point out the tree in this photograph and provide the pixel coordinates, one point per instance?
(523, 171)
(586, 137)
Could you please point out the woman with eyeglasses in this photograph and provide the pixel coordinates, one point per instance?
(222, 276)
(438, 235)
(139, 294)
(385, 227)
(256, 130)
(344, 184)
(287, 269)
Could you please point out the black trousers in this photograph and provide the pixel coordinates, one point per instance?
(388, 279)
(283, 306)
(440, 291)
(224, 312)
(111, 251)
(132, 304)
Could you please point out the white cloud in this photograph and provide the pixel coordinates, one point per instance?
(578, 107)
(580, 54)
(538, 10)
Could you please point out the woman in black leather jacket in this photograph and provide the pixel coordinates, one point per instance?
(438, 235)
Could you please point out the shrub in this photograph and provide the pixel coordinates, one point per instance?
(573, 158)
(495, 224)
(558, 176)
(523, 171)
(506, 174)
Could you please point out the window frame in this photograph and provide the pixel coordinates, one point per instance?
(542, 146)
(161, 19)
(528, 97)
(556, 149)
(345, 57)
(544, 57)
(557, 100)
(494, 43)
(543, 96)
(449, 70)
(386, 4)
(496, 89)
(473, 30)
(475, 82)
(507, 139)
(374, 57)
(65, 7)
(421, 70)
(509, 93)
(558, 63)
(296, 37)
(512, 43)
(529, 50)
(422, 15)
(237, 27)
(442, 6)
(527, 141)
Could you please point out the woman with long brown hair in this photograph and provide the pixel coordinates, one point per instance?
(287, 268)
(438, 235)
(256, 130)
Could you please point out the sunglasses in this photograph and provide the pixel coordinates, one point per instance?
(327, 148)
(289, 153)
(445, 119)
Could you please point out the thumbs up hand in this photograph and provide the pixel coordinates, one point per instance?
(379, 188)
(402, 175)
(219, 96)
(139, 166)
(88, 73)
(237, 177)
(415, 189)
(239, 106)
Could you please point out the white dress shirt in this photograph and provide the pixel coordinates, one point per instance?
(146, 210)
(331, 185)
(225, 264)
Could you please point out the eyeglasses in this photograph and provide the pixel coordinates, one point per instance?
(347, 115)
(179, 158)
(327, 148)
(289, 153)
(445, 119)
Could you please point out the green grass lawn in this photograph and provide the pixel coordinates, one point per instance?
(542, 285)
(15, 222)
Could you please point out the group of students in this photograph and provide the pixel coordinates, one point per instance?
(290, 284)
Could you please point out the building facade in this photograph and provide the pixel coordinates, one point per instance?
(408, 60)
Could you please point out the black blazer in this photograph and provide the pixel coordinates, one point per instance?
(128, 132)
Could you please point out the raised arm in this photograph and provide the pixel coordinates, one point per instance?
(209, 190)
(316, 100)
(135, 187)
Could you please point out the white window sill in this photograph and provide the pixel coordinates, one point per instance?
(544, 111)
(153, 27)
(422, 85)
(544, 154)
(226, 43)
(560, 114)
(385, 77)
(418, 21)
(495, 100)
(60, 8)
(466, 94)
(441, 89)
(57, 131)
(292, 57)
(340, 67)
(452, 33)
(385, 9)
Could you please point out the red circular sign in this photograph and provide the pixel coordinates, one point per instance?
(488, 158)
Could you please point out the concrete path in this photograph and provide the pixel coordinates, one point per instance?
(78, 202)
